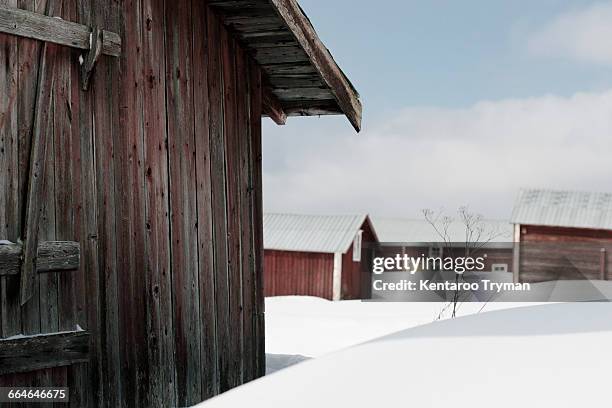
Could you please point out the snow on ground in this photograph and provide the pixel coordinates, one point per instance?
(309, 326)
(554, 355)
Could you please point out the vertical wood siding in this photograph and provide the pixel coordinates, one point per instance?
(298, 273)
(355, 283)
(156, 171)
(289, 273)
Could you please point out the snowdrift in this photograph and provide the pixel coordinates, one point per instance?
(546, 356)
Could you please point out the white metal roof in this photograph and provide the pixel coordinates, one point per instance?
(420, 231)
(311, 233)
(574, 209)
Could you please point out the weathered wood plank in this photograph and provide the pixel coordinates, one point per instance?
(280, 54)
(228, 52)
(37, 166)
(45, 318)
(306, 94)
(29, 353)
(105, 124)
(52, 256)
(160, 320)
(134, 262)
(30, 53)
(257, 214)
(273, 69)
(293, 81)
(245, 190)
(310, 107)
(47, 28)
(65, 185)
(219, 198)
(10, 224)
(280, 32)
(252, 18)
(258, 42)
(210, 378)
(84, 379)
(183, 206)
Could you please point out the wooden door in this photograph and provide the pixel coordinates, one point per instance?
(43, 336)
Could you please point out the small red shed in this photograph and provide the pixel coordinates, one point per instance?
(562, 235)
(315, 255)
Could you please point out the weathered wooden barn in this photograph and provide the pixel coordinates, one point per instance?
(562, 235)
(416, 237)
(131, 224)
(316, 255)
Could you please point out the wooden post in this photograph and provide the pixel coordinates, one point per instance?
(602, 264)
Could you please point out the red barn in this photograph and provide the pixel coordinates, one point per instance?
(562, 235)
(316, 255)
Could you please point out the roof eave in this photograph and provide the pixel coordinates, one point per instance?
(345, 94)
(302, 76)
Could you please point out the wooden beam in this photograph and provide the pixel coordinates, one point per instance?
(28, 353)
(311, 108)
(272, 106)
(51, 256)
(37, 26)
(346, 96)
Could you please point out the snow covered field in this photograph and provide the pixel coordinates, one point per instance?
(554, 355)
(312, 327)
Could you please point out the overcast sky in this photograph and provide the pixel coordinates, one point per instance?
(464, 103)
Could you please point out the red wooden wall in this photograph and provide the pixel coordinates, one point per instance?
(156, 171)
(354, 281)
(289, 273)
(552, 253)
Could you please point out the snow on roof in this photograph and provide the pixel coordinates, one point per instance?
(311, 233)
(541, 356)
(421, 231)
(573, 209)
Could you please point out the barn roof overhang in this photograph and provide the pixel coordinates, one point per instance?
(302, 77)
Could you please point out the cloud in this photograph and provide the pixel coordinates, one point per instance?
(431, 157)
(583, 35)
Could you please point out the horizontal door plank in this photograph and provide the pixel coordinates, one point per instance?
(37, 26)
(29, 353)
(51, 256)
